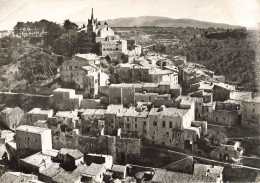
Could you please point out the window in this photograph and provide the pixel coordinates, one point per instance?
(163, 124)
(167, 133)
(154, 123)
(127, 125)
(135, 125)
(24, 138)
(253, 110)
(144, 123)
(135, 119)
(153, 132)
(145, 132)
(226, 148)
(153, 137)
(127, 118)
(170, 124)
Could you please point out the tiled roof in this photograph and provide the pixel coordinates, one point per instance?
(31, 129)
(72, 152)
(67, 114)
(168, 112)
(63, 177)
(113, 109)
(164, 176)
(75, 154)
(40, 111)
(52, 170)
(11, 110)
(9, 177)
(37, 159)
(93, 169)
(118, 168)
(79, 170)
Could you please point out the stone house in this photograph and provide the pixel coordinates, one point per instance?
(66, 99)
(119, 171)
(113, 48)
(227, 114)
(251, 113)
(106, 160)
(9, 177)
(35, 163)
(150, 97)
(90, 120)
(38, 114)
(125, 93)
(47, 174)
(133, 121)
(207, 111)
(83, 73)
(183, 100)
(167, 126)
(221, 91)
(207, 96)
(231, 151)
(12, 117)
(70, 158)
(33, 138)
(68, 120)
(93, 173)
(110, 117)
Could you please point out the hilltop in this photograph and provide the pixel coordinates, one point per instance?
(162, 22)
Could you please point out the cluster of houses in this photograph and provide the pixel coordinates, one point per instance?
(166, 102)
(39, 162)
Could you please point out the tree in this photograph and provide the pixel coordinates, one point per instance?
(18, 28)
(53, 32)
(68, 25)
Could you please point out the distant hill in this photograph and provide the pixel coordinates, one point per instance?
(162, 22)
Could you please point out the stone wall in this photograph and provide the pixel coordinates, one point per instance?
(234, 173)
(25, 101)
(111, 145)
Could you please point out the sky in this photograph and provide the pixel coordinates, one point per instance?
(234, 12)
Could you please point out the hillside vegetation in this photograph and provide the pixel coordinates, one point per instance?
(228, 53)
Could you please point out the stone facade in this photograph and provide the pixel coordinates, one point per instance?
(12, 117)
(66, 99)
(38, 114)
(251, 113)
(110, 145)
(33, 138)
